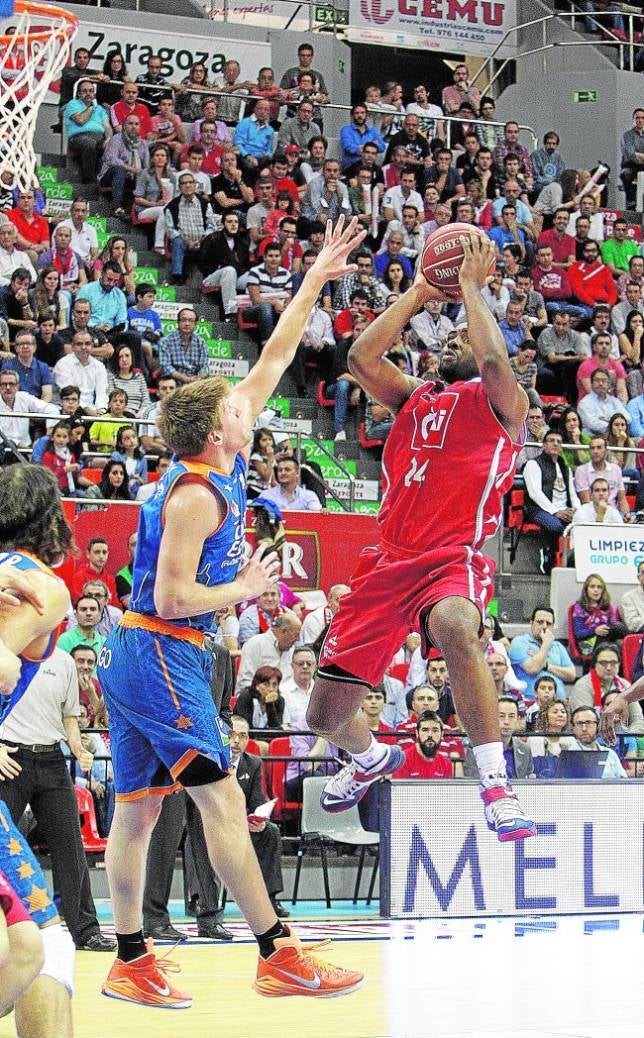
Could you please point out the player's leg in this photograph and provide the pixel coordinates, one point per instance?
(453, 625)
(126, 857)
(333, 712)
(45, 1010)
(23, 959)
(285, 966)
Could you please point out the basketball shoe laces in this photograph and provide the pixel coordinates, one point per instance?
(344, 783)
(506, 809)
(324, 970)
(164, 964)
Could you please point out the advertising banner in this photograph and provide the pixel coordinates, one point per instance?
(463, 26)
(440, 860)
(614, 552)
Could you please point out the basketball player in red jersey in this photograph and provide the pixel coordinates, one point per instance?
(448, 460)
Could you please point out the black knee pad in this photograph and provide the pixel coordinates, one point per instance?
(201, 772)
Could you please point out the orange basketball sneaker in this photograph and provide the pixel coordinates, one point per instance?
(144, 981)
(292, 970)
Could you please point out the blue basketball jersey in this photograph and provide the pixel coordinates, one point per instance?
(21, 560)
(222, 552)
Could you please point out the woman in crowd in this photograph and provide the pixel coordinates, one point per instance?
(113, 485)
(554, 719)
(570, 429)
(261, 463)
(59, 459)
(154, 188)
(189, 101)
(562, 194)
(116, 251)
(395, 279)
(262, 705)
(111, 79)
(123, 375)
(128, 452)
(630, 343)
(594, 618)
(621, 446)
(49, 300)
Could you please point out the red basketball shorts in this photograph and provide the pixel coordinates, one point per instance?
(12, 906)
(390, 596)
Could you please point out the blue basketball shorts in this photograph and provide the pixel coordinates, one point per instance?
(161, 711)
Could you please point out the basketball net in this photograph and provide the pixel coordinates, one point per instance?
(34, 47)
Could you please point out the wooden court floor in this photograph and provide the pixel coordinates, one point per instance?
(219, 978)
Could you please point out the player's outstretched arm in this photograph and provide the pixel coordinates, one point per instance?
(508, 399)
(618, 710)
(280, 349)
(378, 376)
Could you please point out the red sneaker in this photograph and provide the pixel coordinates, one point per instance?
(293, 970)
(145, 982)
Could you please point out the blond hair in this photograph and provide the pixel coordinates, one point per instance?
(191, 413)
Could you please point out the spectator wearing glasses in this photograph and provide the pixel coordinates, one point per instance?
(538, 652)
(551, 498)
(183, 354)
(188, 219)
(12, 399)
(585, 728)
(87, 125)
(299, 128)
(598, 407)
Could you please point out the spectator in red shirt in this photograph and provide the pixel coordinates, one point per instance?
(97, 555)
(213, 149)
(561, 243)
(130, 105)
(32, 230)
(554, 285)
(422, 758)
(291, 249)
(281, 179)
(359, 307)
(591, 280)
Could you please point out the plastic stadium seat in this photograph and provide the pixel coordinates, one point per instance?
(276, 777)
(630, 649)
(92, 842)
(323, 401)
(362, 438)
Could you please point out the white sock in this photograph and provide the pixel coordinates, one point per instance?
(373, 755)
(491, 763)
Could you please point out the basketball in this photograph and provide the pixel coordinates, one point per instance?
(443, 254)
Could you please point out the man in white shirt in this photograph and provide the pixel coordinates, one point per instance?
(10, 257)
(80, 368)
(289, 495)
(320, 618)
(587, 208)
(403, 194)
(296, 690)
(600, 467)
(12, 399)
(598, 510)
(84, 238)
(272, 648)
(152, 441)
(431, 327)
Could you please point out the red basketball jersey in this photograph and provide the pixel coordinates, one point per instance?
(446, 465)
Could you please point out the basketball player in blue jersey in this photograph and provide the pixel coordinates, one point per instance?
(33, 602)
(155, 667)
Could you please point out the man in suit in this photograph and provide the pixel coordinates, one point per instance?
(517, 753)
(266, 837)
(178, 814)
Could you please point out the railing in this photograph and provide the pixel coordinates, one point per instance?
(610, 40)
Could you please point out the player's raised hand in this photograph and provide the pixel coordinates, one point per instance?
(261, 572)
(478, 260)
(339, 243)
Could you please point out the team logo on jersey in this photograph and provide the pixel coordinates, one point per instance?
(431, 419)
(234, 507)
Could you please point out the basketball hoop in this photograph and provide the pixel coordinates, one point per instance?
(34, 44)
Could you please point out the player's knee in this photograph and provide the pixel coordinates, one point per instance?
(27, 950)
(59, 955)
(454, 625)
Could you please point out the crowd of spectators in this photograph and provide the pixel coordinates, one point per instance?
(237, 202)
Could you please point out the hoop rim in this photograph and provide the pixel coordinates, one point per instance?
(43, 10)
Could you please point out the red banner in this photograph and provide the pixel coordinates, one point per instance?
(321, 548)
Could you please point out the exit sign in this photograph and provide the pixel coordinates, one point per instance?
(581, 96)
